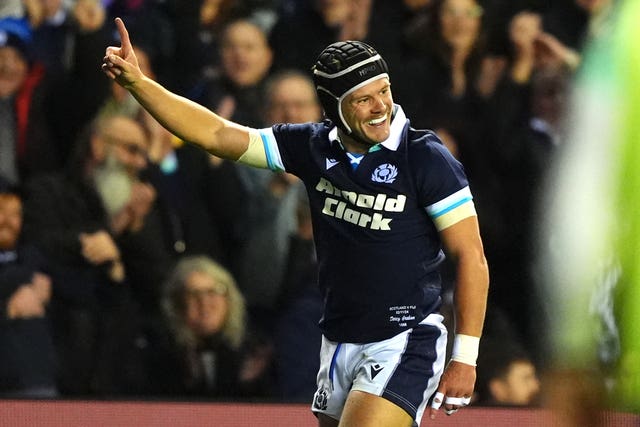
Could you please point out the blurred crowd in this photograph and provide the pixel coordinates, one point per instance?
(133, 264)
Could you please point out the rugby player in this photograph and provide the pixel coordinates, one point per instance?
(387, 202)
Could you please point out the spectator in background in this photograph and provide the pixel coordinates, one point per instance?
(55, 26)
(506, 375)
(451, 55)
(272, 201)
(395, 27)
(65, 36)
(528, 110)
(27, 355)
(327, 20)
(200, 347)
(26, 143)
(291, 98)
(98, 224)
(192, 212)
(237, 93)
(200, 217)
(297, 337)
(198, 33)
(531, 48)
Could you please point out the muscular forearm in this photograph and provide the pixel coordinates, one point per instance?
(184, 118)
(457, 381)
(471, 294)
(463, 243)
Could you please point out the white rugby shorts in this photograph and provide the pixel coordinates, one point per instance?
(404, 369)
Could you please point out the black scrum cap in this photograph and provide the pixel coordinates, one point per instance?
(342, 68)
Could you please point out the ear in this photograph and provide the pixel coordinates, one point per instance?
(98, 148)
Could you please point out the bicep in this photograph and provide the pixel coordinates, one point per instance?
(230, 142)
(463, 237)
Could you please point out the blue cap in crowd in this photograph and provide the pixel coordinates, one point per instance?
(16, 33)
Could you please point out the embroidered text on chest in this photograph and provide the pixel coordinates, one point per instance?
(343, 207)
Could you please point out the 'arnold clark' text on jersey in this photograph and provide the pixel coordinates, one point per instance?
(351, 206)
(375, 225)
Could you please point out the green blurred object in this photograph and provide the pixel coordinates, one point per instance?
(626, 393)
(591, 230)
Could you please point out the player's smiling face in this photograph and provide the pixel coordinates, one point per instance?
(368, 111)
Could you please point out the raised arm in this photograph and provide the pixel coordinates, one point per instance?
(184, 118)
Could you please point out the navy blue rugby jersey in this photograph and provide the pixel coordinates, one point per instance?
(375, 226)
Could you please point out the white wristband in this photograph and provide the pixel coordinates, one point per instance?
(465, 349)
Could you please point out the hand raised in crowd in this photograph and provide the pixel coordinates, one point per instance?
(552, 52)
(41, 284)
(524, 29)
(131, 217)
(535, 48)
(30, 299)
(160, 139)
(143, 196)
(99, 247)
(492, 69)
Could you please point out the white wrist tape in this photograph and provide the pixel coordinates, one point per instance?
(465, 349)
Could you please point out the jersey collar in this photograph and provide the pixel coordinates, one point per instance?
(393, 142)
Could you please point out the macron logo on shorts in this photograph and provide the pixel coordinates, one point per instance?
(375, 370)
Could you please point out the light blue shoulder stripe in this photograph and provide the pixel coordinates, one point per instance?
(449, 203)
(452, 207)
(274, 161)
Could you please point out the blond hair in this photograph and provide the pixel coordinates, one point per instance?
(233, 329)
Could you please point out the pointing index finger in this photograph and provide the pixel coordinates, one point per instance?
(124, 37)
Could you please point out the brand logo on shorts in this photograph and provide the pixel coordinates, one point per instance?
(321, 399)
(386, 173)
(375, 370)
